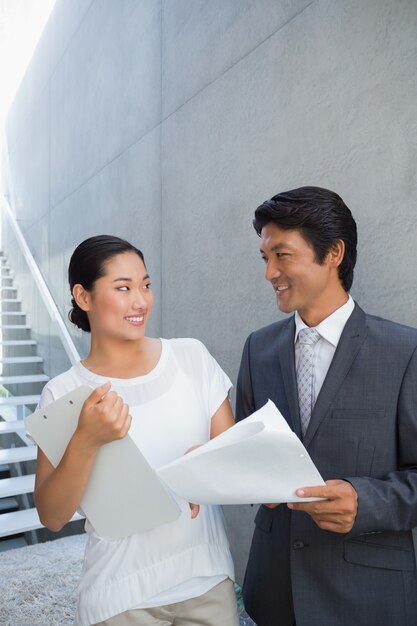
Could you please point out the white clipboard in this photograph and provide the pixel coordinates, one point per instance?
(123, 495)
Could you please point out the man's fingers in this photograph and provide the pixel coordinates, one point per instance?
(315, 492)
(322, 507)
(332, 489)
(315, 508)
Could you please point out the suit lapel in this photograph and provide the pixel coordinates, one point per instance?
(352, 337)
(287, 361)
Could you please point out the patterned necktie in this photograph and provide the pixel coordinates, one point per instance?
(307, 338)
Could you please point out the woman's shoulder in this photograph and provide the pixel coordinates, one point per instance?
(187, 345)
(190, 351)
(185, 342)
(61, 384)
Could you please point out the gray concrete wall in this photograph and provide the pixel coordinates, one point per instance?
(169, 121)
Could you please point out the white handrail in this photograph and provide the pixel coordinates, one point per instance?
(54, 314)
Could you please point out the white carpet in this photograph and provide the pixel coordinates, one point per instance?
(39, 583)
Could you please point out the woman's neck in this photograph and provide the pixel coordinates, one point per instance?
(127, 359)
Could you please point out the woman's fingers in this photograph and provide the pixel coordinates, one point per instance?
(195, 510)
(97, 395)
(104, 417)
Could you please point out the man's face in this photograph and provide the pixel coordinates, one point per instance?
(300, 283)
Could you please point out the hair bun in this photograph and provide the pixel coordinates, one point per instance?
(79, 317)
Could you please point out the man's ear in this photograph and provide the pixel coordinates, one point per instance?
(336, 253)
(81, 297)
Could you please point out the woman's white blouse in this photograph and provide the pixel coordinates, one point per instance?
(171, 407)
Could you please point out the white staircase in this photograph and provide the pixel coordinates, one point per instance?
(21, 382)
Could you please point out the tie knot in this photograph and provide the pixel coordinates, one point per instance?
(309, 336)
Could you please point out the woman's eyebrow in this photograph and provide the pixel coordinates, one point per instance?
(129, 280)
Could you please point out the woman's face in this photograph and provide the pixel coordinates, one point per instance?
(120, 302)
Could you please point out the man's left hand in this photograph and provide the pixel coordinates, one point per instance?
(337, 513)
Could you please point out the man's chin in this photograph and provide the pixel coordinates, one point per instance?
(285, 307)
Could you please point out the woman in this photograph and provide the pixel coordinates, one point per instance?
(169, 395)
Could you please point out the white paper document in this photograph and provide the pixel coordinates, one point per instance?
(258, 460)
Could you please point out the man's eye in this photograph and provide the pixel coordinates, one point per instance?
(281, 254)
(147, 286)
(264, 259)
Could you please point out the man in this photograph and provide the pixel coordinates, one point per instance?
(347, 384)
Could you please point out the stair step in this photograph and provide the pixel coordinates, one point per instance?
(30, 378)
(13, 360)
(4, 471)
(18, 342)
(10, 301)
(17, 485)
(22, 521)
(7, 288)
(15, 326)
(18, 455)
(8, 504)
(19, 400)
(13, 313)
(11, 427)
(13, 543)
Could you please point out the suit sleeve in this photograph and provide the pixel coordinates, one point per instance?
(391, 503)
(245, 404)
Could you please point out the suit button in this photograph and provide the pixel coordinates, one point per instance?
(297, 545)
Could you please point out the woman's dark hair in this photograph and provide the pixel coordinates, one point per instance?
(322, 218)
(88, 264)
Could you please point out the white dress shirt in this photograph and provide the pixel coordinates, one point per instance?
(330, 330)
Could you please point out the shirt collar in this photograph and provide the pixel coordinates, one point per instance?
(332, 326)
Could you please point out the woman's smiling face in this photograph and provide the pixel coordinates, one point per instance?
(119, 305)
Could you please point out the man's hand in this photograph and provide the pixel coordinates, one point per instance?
(337, 513)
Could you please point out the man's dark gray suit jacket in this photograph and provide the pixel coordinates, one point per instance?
(363, 429)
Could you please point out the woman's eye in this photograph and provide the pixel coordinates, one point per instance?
(147, 286)
(124, 288)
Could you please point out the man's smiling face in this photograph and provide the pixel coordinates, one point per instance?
(299, 281)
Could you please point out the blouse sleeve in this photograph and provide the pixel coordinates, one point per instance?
(46, 398)
(216, 384)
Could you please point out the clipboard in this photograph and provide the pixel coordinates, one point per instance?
(123, 495)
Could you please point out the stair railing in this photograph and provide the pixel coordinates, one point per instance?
(47, 298)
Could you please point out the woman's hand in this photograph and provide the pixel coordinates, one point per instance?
(195, 510)
(103, 418)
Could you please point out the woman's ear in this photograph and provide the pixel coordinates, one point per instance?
(81, 297)
(336, 253)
